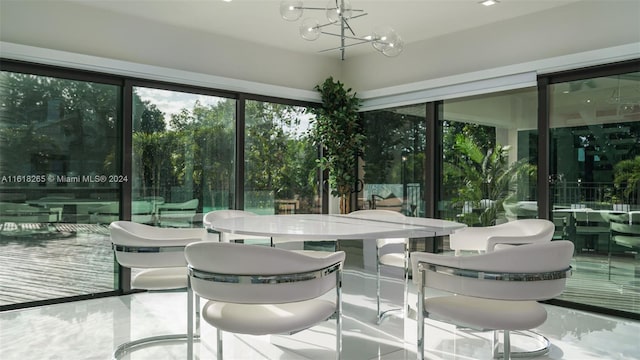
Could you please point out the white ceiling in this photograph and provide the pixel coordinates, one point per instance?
(259, 20)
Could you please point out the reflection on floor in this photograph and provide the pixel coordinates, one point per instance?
(91, 329)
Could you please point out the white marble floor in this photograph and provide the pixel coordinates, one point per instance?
(91, 329)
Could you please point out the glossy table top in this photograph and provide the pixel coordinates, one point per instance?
(329, 227)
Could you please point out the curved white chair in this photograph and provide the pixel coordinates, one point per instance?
(625, 229)
(393, 259)
(260, 290)
(492, 291)
(141, 212)
(490, 238)
(159, 253)
(177, 214)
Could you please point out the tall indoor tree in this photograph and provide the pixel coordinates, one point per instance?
(338, 130)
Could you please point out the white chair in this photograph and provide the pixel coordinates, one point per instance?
(625, 230)
(393, 259)
(23, 215)
(260, 290)
(177, 214)
(591, 229)
(159, 254)
(489, 238)
(141, 212)
(493, 291)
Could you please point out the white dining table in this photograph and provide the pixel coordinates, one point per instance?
(310, 227)
(323, 227)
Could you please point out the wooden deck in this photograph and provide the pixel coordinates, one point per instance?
(76, 259)
(67, 261)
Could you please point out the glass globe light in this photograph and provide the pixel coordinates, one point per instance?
(394, 48)
(335, 11)
(384, 36)
(310, 29)
(291, 10)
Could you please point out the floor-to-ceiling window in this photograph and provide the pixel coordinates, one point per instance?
(280, 172)
(183, 162)
(489, 157)
(79, 150)
(594, 166)
(61, 144)
(60, 161)
(393, 166)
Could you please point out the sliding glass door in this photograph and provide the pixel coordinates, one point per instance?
(60, 159)
(595, 185)
(280, 175)
(183, 162)
(489, 158)
(393, 166)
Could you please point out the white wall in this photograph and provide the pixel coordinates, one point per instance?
(579, 27)
(518, 46)
(74, 28)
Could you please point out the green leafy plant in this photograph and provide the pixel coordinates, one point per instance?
(487, 175)
(338, 130)
(626, 178)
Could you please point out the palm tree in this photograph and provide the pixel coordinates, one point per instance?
(486, 176)
(626, 178)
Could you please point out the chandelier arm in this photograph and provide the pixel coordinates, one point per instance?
(323, 9)
(320, 26)
(359, 15)
(346, 46)
(348, 37)
(347, 26)
(308, 8)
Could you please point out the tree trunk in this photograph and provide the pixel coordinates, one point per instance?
(345, 203)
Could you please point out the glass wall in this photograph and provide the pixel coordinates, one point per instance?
(393, 167)
(61, 161)
(595, 187)
(63, 148)
(489, 158)
(280, 175)
(60, 158)
(183, 156)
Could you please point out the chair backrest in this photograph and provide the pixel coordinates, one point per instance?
(522, 231)
(527, 272)
(141, 212)
(625, 229)
(23, 213)
(188, 207)
(524, 227)
(143, 246)
(248, 274)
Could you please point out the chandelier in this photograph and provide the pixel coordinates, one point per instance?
(339, 13)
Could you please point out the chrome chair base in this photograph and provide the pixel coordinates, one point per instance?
(384, 314)
(544, 349)
(134, 345)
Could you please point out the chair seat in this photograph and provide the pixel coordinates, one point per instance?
(161, 279)
(267, 319)
(393, 259)
(486, 314)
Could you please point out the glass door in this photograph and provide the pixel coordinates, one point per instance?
(59, 163)
(595, 185)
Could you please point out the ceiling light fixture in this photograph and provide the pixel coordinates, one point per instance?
(489, 2)
(339, 12)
